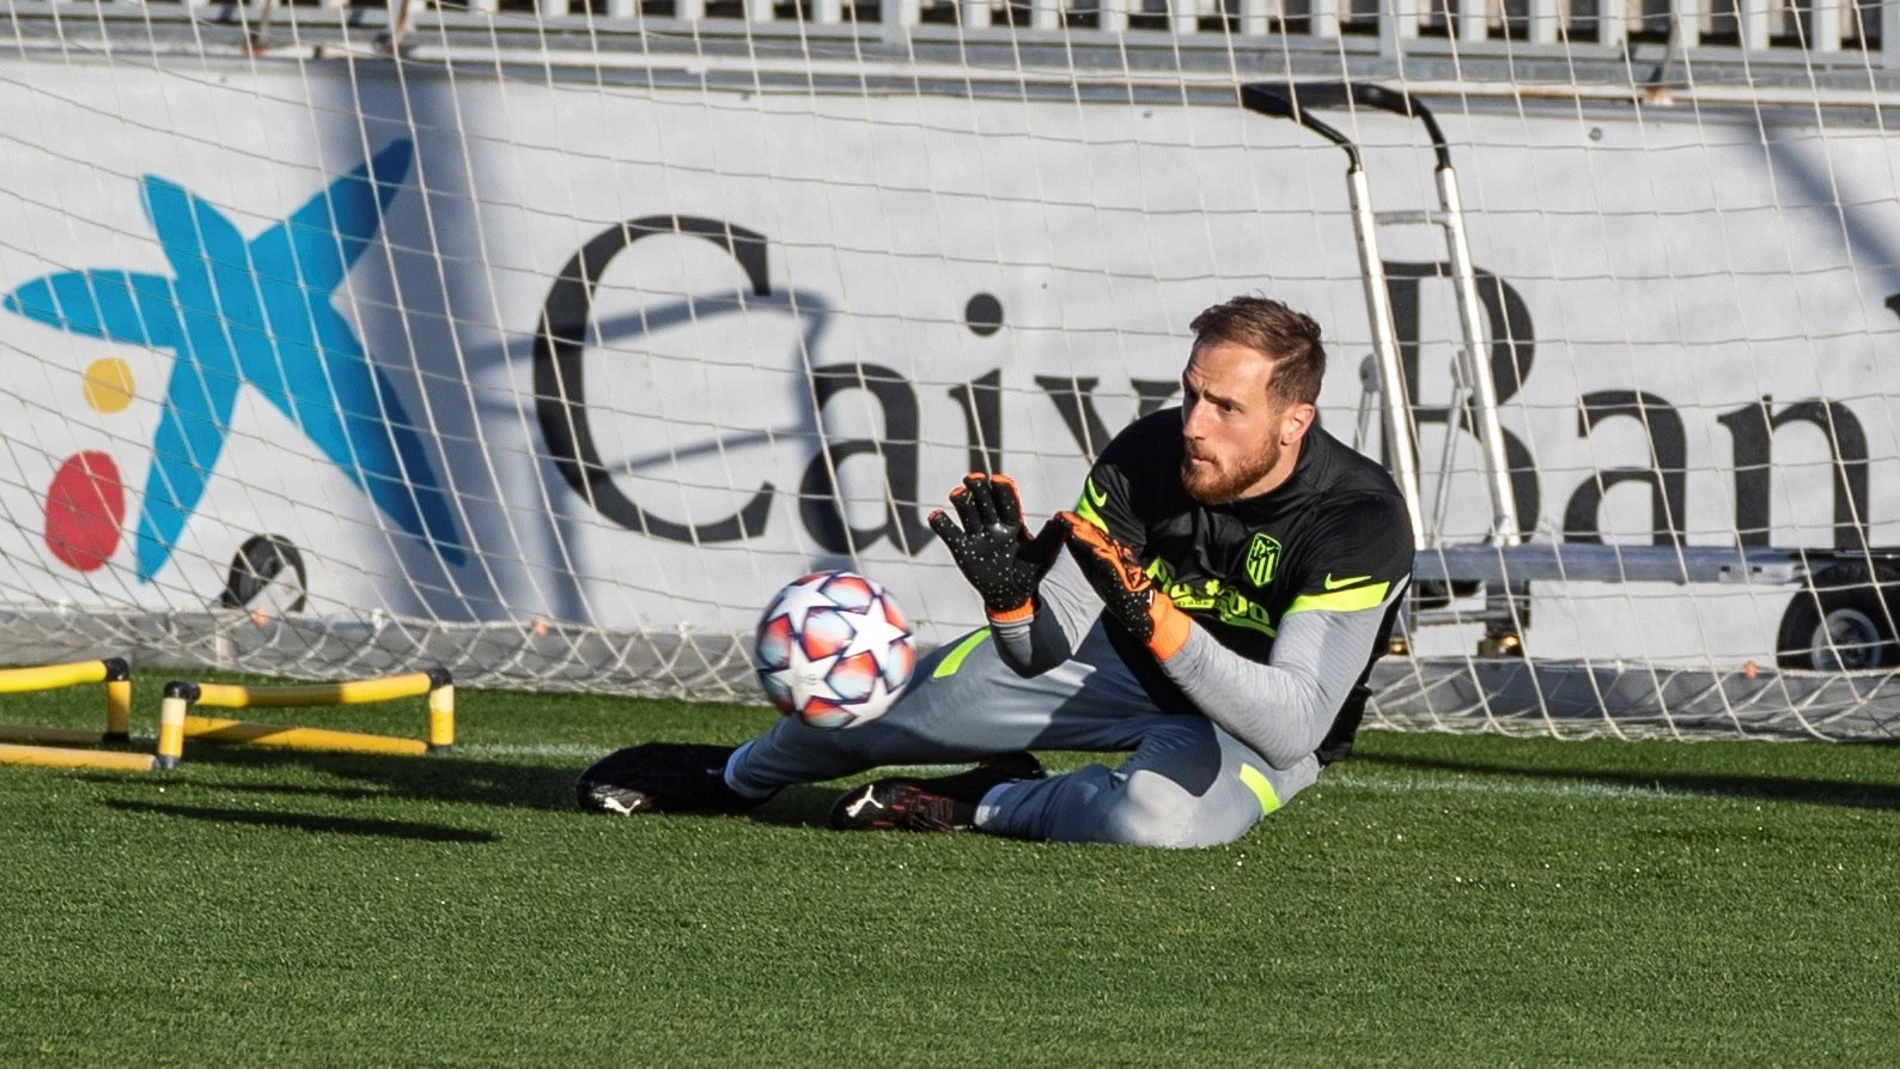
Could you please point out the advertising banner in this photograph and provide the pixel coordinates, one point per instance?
(497, 350)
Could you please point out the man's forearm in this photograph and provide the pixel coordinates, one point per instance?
(1066, 608)
(1281, 710)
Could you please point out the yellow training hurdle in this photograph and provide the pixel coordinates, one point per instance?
(177, 722)
(24, 744)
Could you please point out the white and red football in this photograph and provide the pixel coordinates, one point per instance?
(834, 650)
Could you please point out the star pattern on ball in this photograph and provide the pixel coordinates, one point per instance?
(872, 631)
(801, 598)
(834, 650)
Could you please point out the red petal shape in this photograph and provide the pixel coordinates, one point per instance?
(85, 511)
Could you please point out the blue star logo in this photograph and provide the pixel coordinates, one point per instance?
(257, 313)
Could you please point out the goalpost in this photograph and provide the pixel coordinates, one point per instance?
(544, 341)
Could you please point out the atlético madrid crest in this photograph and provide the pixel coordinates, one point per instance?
(1263, 556)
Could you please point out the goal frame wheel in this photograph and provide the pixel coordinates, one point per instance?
(1842, 621)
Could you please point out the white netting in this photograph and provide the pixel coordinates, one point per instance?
(546, 343)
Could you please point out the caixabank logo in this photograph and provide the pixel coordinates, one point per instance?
(237, 312)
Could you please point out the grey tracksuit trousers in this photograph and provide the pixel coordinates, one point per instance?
(1187, 782)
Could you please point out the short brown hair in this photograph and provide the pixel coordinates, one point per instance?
(1290, 338)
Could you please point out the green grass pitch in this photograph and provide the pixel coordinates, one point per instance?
(1434, 901)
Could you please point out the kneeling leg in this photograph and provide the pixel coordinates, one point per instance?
(1188, 784)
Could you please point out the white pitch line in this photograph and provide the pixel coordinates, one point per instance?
(1530, 789)
(497, 749)
(533, 749)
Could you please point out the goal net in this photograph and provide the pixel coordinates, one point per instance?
(545, 341)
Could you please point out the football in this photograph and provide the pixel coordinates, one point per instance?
(834, 650)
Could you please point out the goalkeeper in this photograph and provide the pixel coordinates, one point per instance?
(1231, 574)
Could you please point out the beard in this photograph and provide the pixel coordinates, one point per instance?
(1221, 483)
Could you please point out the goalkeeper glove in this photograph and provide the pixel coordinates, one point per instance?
(993, 549)
(1129, 596)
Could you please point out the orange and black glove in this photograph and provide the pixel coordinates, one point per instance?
(1130, 597)
(993, 549)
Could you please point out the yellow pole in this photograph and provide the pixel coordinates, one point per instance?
(442, 718)
(212, 729)
(118, 709)
(52, 676)
(171, 724)
(347, 692)
(56, 757)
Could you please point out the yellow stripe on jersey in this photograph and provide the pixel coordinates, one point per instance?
(1370, 596)
(1092, 499)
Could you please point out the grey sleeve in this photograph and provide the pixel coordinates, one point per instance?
(1066, 608)
(1281, 709)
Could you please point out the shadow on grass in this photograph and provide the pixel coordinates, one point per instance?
(312, 822)
(798, 807)
(1714, 785)
(433, 779)
(446, 779)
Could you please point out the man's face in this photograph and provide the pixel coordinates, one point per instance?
(1235, 434)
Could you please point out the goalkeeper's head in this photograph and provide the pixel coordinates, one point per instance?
(1249, 391)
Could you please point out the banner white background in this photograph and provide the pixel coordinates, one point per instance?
(1706, 260)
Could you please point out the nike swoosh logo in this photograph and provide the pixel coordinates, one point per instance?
(1335, 584)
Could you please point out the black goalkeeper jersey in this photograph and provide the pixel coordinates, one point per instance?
(1334, 537)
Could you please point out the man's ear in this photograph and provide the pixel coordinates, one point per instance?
(1297, 421)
